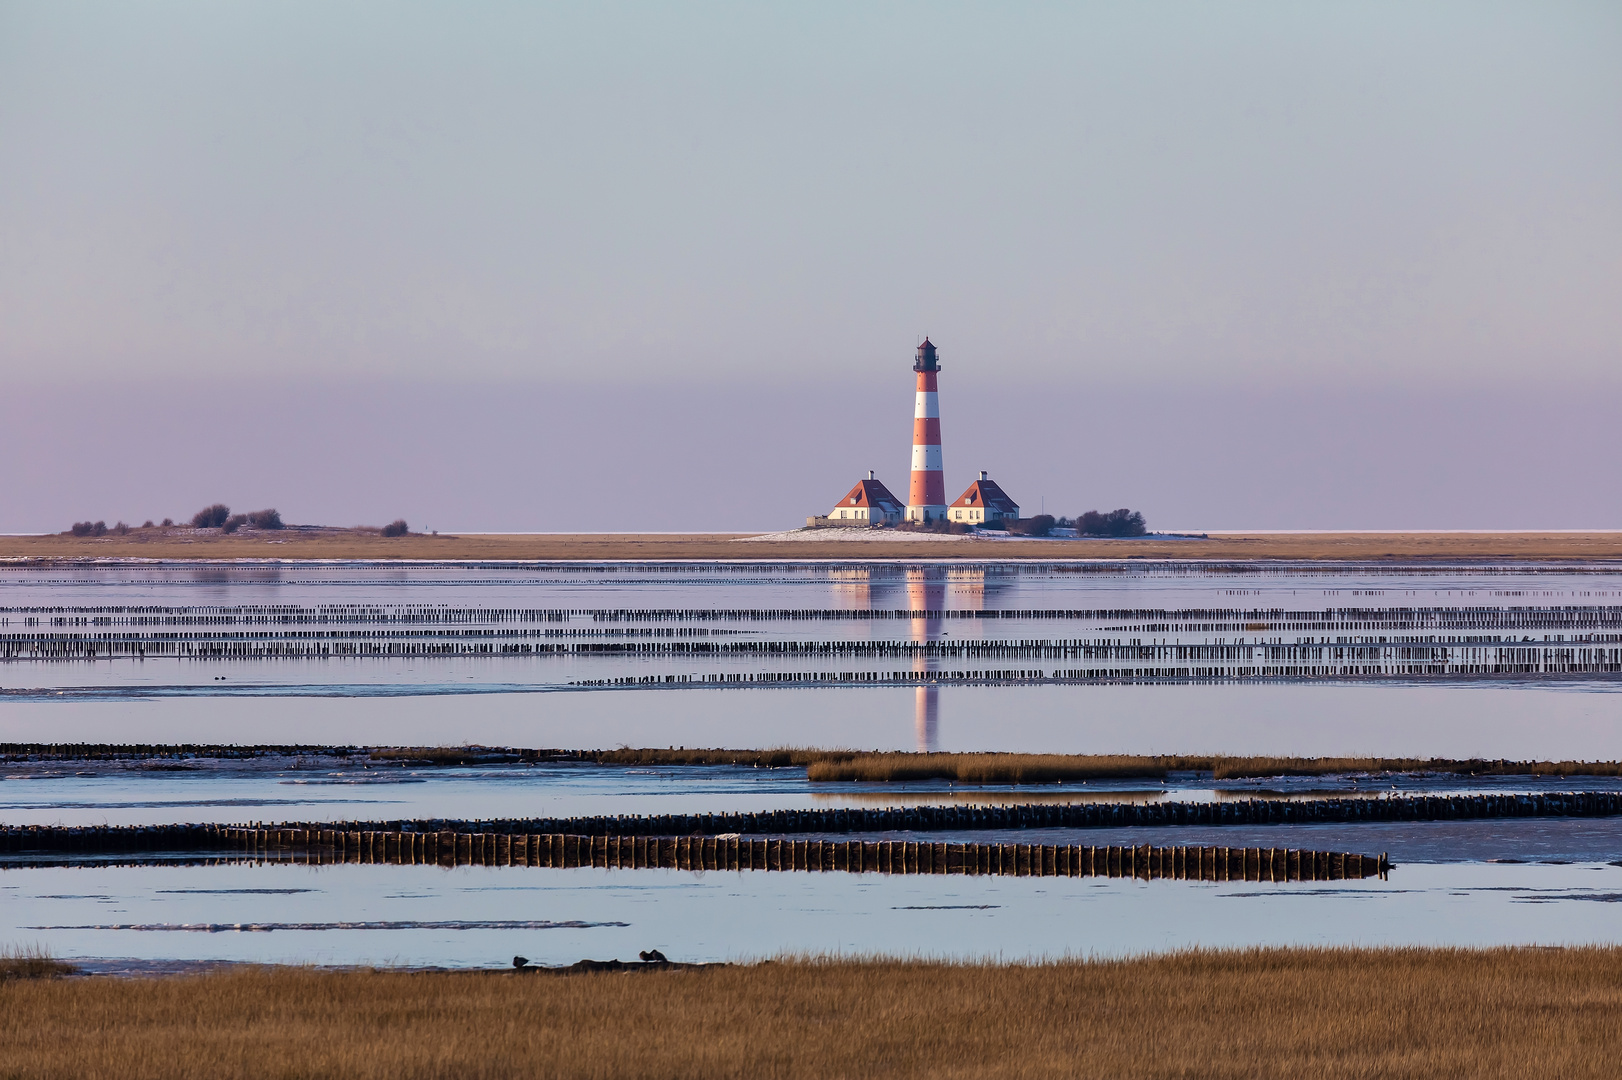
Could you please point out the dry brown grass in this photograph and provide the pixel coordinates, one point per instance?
(1260, 1013)
(995, 768)
(31, 963)
(368, 544)
(1231, 768)
(991, 768)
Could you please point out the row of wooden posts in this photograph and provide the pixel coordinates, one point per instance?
(1166, 661)
(1489, 617)
(321, 846)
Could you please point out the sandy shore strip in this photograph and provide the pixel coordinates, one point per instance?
(854, 536)
(347, 544)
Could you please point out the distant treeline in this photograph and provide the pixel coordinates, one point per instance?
(1121, 522)
(217, 516)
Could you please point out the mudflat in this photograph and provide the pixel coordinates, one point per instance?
(1412, 547)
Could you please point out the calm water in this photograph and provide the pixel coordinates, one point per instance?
(1080, 658)
(432, 916)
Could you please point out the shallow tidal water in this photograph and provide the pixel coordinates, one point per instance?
(1525, 881)
(481, 917)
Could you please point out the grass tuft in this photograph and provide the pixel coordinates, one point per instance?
(31, 962)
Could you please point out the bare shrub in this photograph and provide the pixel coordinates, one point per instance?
(147, 524)
(211, 517)
(1040, 525)
(397, 527)
(265, 519)
(1121, 522)
(168, 523)
(233, 523)
(89, 528)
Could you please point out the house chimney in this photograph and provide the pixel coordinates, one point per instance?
(982, 474)
(870, 474)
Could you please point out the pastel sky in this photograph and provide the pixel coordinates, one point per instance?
(659, 266)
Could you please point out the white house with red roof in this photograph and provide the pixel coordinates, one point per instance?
(868, 503)
(982, 504)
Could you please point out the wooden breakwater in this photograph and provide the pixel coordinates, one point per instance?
(1105, 662)
(568, 850)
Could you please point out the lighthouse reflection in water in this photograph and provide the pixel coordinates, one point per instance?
(926, 596)
(931, 589)
(925, 590)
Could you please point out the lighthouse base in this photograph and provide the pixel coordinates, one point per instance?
(926, 514)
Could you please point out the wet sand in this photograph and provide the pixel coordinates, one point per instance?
(586, 547)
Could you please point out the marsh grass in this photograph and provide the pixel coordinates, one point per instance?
(995, 768)
(31, 962)
(1069, 767)
(992, 768)
(1336, 1013)
(1231, 768)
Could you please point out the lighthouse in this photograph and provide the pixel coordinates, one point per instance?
(926, 499)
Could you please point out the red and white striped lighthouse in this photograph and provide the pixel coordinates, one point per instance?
(926, 499)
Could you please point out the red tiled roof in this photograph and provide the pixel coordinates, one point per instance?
(986, 493)
(870, 493)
